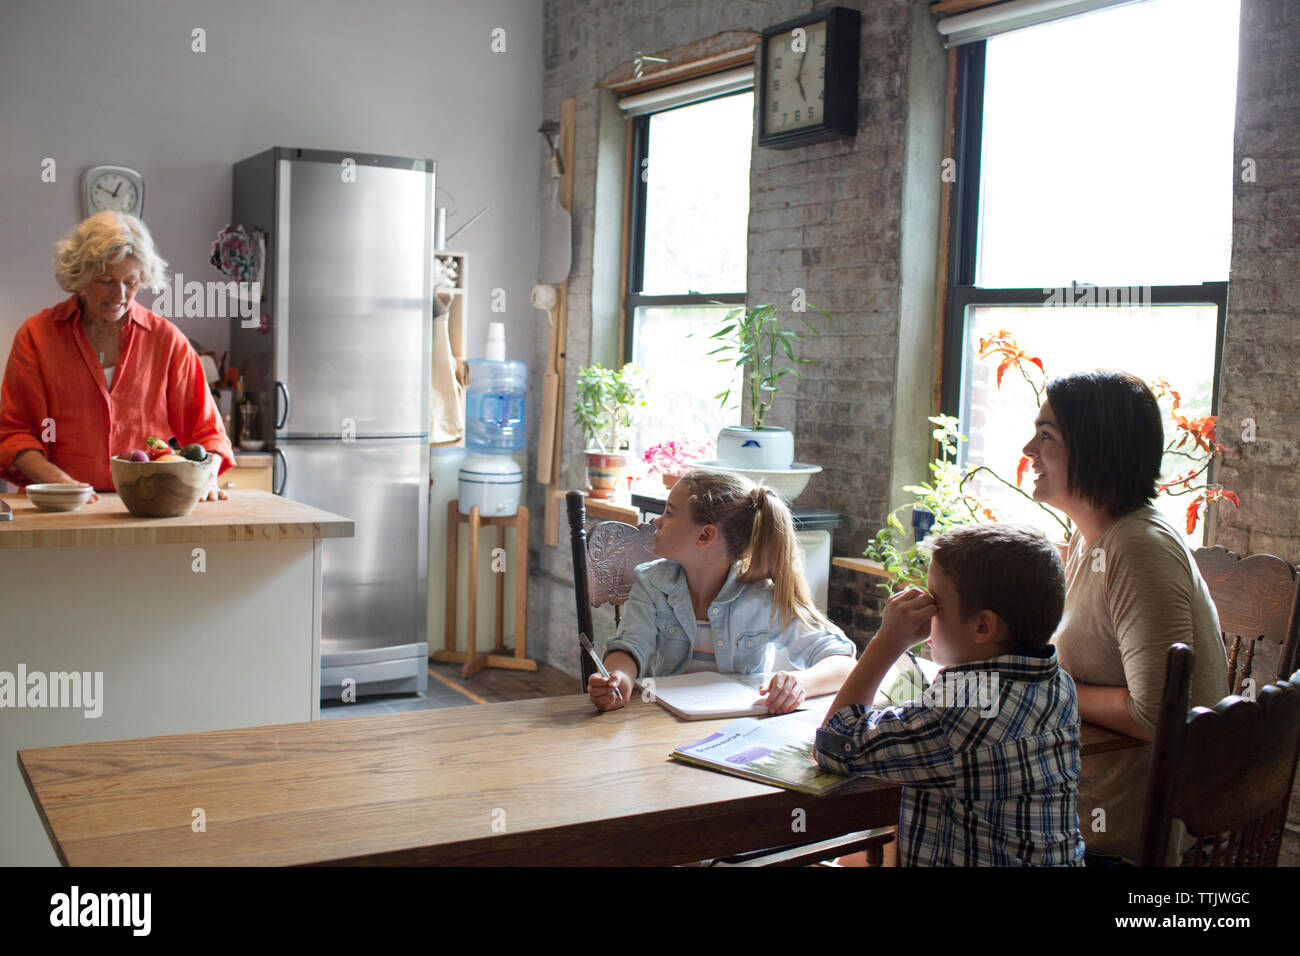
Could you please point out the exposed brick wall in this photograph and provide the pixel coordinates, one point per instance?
(825, 218)
(1261, 353)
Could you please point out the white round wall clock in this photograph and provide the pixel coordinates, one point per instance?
(113, 187)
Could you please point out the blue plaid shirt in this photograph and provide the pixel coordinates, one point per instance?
(990, 783)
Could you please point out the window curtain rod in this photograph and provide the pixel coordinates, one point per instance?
(690, 91)
(1015, 15)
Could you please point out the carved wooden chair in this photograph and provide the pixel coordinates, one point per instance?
(1226, 772)
(604, 570)
(604, 566)
(1258, 600)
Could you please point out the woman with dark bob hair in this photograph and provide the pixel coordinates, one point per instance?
(1132, 586)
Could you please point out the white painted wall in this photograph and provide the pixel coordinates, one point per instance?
(87, 82)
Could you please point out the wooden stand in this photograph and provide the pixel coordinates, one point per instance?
(500, 655)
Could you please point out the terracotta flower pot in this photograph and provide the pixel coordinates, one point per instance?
(605, 471)
(670, 478)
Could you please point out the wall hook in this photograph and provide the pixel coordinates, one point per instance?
(641, 59)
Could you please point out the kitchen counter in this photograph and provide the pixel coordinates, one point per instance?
(113, 626)
(246, 516)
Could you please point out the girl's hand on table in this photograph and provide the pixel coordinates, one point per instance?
(601, 690)
(785, 692)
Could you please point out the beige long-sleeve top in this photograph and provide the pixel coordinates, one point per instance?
(1129, 595)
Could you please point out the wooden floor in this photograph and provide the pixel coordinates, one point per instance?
(448, 689)
(490, 686)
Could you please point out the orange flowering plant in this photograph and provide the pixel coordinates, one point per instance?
(1193, 438)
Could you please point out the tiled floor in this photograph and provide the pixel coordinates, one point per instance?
(447, 689)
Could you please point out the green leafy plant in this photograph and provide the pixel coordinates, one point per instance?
(945, 497)
(608, 403)
(757, 339)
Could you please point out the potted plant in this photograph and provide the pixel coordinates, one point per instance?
(607, 405)
(758, 340)
(671, 459)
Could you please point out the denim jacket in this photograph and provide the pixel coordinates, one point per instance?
(658, 626)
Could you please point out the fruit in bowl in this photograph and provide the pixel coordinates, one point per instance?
(169, 486)
(155, 448)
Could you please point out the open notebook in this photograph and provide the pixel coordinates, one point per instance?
(706, 695)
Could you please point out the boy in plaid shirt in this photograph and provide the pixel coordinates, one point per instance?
(989, 757)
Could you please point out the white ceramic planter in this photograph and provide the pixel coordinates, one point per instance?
(767, 449)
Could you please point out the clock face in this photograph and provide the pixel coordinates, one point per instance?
(796, 79)
(114, 188)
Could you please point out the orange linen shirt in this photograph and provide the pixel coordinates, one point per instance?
(55, 387)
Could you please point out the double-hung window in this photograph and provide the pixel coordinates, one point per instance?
(687, 237)
(1091, 214)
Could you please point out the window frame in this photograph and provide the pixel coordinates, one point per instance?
(963, 241)
(633, 297)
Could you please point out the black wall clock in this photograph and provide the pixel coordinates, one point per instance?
(808, 79)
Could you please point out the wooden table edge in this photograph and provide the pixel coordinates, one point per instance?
(40, 810)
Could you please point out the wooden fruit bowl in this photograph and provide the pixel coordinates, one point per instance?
(162, 489)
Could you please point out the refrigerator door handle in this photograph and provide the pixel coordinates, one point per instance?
(280, 422)
(284, 463)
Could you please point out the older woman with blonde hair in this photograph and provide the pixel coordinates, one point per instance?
(95, 375)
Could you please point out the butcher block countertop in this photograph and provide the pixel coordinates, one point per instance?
(246, 516)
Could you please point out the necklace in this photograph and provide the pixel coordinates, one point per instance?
(103, 341)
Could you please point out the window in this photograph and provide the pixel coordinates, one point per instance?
(1091, 214)
(687, 253)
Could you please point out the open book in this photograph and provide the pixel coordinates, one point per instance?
(772, 750)
(707, 695)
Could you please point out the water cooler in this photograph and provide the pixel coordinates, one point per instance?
(495, 428)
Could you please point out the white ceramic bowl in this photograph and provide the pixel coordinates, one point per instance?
(58, 496)
(789, 483)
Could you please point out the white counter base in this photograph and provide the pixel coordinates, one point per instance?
(174, 659)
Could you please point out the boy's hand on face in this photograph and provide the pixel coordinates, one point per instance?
(906, 619)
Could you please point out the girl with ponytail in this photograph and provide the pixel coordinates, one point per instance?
(728, 588)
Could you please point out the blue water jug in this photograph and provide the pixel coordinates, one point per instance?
(495, 421)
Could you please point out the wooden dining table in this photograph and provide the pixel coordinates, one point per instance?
(535, 782)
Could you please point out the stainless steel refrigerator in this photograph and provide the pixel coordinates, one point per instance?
(342, 377)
